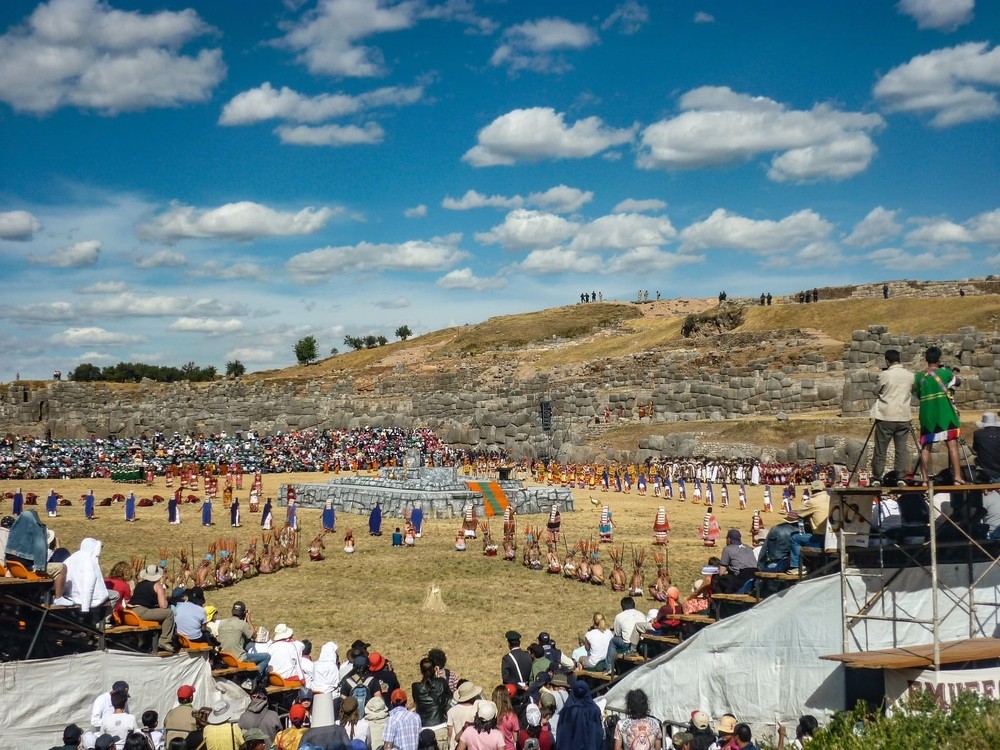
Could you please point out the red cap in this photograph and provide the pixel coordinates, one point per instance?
(398, 696)
(297, 712)
(185, 692)
(375, 661)
(511, 689)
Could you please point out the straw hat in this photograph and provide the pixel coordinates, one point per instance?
(282, 632)
(466, 692)
(153, 573)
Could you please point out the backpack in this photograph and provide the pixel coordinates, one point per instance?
(359, 691)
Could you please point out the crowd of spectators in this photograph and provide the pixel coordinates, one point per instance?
(309, 450)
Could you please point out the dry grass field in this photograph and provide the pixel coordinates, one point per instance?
(377, 593)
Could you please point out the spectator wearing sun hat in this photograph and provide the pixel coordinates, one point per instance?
(814, 513)
(380, 668)
(149, 602)
(464, 710)
(222, 732)
(726, 729)
(402, 730)
(179, 721)
(285, 659)
(483, 734)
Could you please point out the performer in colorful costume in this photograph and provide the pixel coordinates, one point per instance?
(606, 527)
(661, 526)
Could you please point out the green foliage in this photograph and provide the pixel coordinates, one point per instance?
(371, 341)
(382, 341)
(133, 372)
(972, 722)
(403, 333)
(305, 350)
(235, 369)
(355, 342)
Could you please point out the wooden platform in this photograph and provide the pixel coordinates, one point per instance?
(586, 674)
(922, 656)
(670, 640)
(698, 619)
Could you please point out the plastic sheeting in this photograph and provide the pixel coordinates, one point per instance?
(763, 665)
(38, 699)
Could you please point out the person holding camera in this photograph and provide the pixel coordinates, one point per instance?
(891, 412)
(235, 633)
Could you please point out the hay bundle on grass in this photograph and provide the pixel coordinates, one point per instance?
(433, 601)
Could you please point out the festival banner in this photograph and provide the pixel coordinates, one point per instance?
(944, 685)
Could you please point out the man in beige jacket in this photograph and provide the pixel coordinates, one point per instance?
(891, 412)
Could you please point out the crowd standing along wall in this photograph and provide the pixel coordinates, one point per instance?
(471, 408)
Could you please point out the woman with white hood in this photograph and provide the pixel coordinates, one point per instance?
(84, 579)
(325, 684)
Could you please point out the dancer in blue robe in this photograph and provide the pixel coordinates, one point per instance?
(130, 507)
(52, 504)
(266, 516)
(375, 520)
(417, 519)
(206, 512)
(88, 506)
(173, 511)
(292, 515)
(329, 516)
(234, 514)
(18, 502)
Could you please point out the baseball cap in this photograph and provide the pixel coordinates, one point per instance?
(105, 742)
(734, 535)
(185, 692)
(72, 735)
(699, 720)
(297, 712)
(398, 696)
(120, 687)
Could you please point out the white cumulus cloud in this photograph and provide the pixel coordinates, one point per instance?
(77, 255)
(268, 103)
(955, 85)
(555, 260)
(878, 226)
(629, 17)
(132, 304)
(104, 287)
(160, 259)
(84, 53)
(217, 269)
(635, 206)
(542, 133)
(93, 336)
(984, 227)
(251, 354)
(944, 15)
(624, 232)
(764, 236)
(561, 199)
(464, 278)
(393, 303)
(473, 199)
(523, 228)
(233, 221)
(538, 45)
(703, 17)
(18, 225)
(206, 325)
(331, 135)
(896, 258)
(720, 126)
(649, 259)
(417, 212)
(319, 265)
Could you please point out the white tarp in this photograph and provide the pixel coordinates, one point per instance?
(763, 665)
(38, 699)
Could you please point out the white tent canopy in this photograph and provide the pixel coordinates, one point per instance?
(763, 665)
(40, 698)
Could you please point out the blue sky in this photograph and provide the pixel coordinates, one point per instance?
(208, 181)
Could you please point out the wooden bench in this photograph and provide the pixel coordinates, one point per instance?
(651, 645)
(730, 604)
(586, 674)
(697, 619)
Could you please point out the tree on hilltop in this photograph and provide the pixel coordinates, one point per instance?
(305, 350)
(235, 369)
(403, 333)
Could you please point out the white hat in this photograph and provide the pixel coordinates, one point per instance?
(282, 632)
(222, 712)
(152, 573)
(989, 420)
(486, 710)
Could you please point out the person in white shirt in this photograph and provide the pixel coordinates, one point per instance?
(624, 637)
(598, 638)
(102, 704)
(118, 723)
(285, 659)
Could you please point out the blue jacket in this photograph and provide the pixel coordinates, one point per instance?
(28, 540)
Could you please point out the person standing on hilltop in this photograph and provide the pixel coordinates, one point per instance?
(891, 412)
(939, 420)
